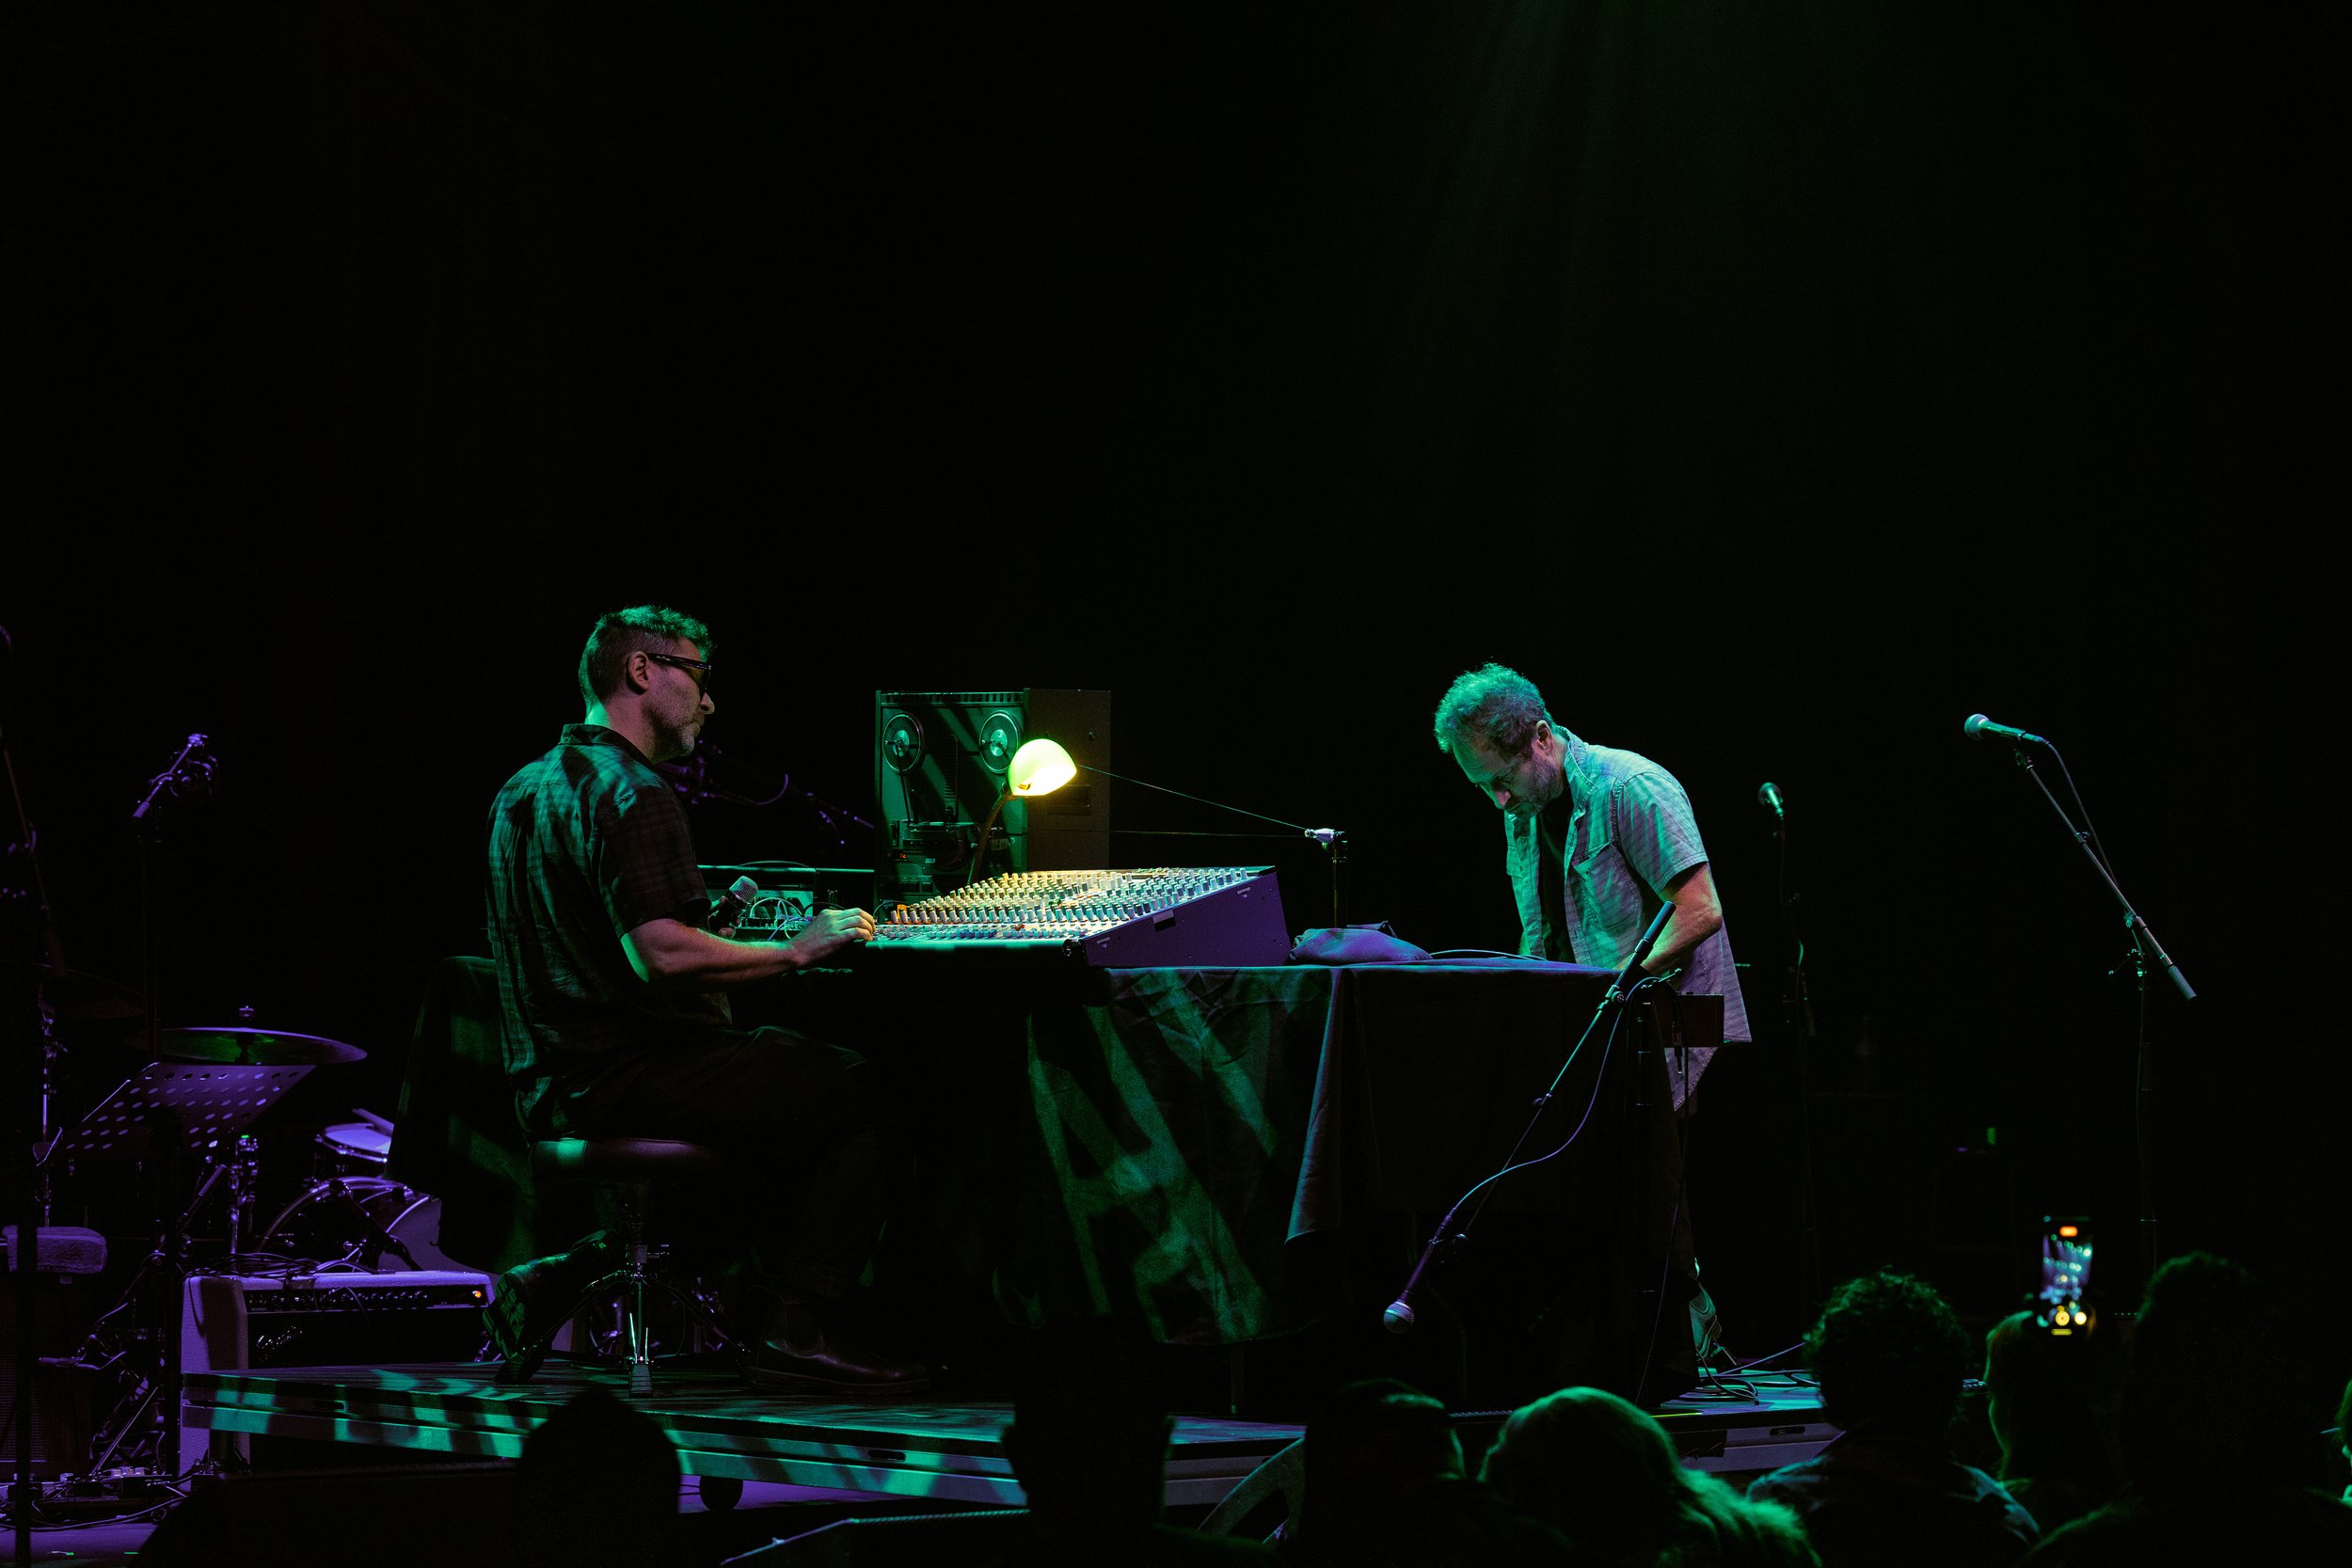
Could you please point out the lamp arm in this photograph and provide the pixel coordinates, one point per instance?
(979, 852)
(1204, 800)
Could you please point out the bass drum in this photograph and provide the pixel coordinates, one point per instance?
(329, 1227)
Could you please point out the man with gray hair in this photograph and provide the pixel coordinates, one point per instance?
(1594, 840)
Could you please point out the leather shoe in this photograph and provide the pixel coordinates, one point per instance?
(532, 1299)
(800, 1354)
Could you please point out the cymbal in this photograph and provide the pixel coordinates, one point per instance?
(257, 1047)
(90, 998)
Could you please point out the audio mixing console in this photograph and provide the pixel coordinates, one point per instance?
(1163, 917)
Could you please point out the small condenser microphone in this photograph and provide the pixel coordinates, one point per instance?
(732, 903)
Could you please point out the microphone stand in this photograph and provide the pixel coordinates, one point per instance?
(190, 773)
(1399, 1316)
(2144, 947)
(30, 930)
(1797, 1010)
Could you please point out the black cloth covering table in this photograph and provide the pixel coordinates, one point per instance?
(1180, 1144)
(1183, 1143)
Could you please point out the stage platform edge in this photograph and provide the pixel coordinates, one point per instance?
(919, 1448)
(947, 1450)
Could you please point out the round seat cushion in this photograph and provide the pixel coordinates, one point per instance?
(64, 1249)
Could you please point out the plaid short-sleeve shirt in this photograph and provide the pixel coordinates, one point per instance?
(1628, 831)
(587, 844)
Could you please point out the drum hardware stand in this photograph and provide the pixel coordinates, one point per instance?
(47, 1131)
(375, 1240)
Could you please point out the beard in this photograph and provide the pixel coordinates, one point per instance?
(1548, 785)
(674, 741)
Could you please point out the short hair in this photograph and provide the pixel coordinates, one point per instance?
(1887, 1347)
(1493, 705)
(645, 627)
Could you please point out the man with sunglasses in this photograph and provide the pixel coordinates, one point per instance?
(616, 1023)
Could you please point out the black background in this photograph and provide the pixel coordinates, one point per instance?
(1775, 392)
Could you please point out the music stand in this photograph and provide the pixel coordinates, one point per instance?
(165, 1107)
(199, 1103)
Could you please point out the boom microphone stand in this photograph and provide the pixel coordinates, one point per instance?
(189, 775)
(1622, 992)
(2145, 949)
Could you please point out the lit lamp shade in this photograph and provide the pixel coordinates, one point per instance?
(1039, 767)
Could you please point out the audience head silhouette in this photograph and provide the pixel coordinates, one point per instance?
(1889, 1355)
(1607, 1476)
(1890, 1358)
(1088, 1440)
(1385, 1488)
(597, 1484)
(2050, 1405)
(2213, 1385)
(1369, 1445)
(2219, 1454)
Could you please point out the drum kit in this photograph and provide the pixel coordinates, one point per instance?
(181, 1139)
(319, 1188)
(232, 1177)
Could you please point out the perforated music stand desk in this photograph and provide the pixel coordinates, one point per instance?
(208, 1100)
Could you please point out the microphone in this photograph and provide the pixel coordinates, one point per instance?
(1399, 1316)
(731, 904)
(1978, 726)
(1767, 796)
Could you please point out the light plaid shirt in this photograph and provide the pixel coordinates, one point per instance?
(1630, 833)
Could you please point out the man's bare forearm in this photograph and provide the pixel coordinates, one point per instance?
(1684, 931)
(672, 953)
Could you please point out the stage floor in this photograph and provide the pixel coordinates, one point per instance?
(944, 1450)
(919, 1448)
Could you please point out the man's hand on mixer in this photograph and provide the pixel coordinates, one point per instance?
(828, 932)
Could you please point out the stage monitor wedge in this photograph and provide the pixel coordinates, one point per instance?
(939, 765)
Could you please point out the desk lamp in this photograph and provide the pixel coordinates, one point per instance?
(1039, 767)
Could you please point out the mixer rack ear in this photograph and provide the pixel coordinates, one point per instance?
(1160, 917)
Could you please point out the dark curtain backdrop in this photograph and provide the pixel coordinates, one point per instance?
(1775, 387)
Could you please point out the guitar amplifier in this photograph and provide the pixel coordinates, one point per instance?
(234, 1322)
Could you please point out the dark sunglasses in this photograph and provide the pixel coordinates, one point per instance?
(699, 668)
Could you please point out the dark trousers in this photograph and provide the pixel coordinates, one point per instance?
(810, 1143)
